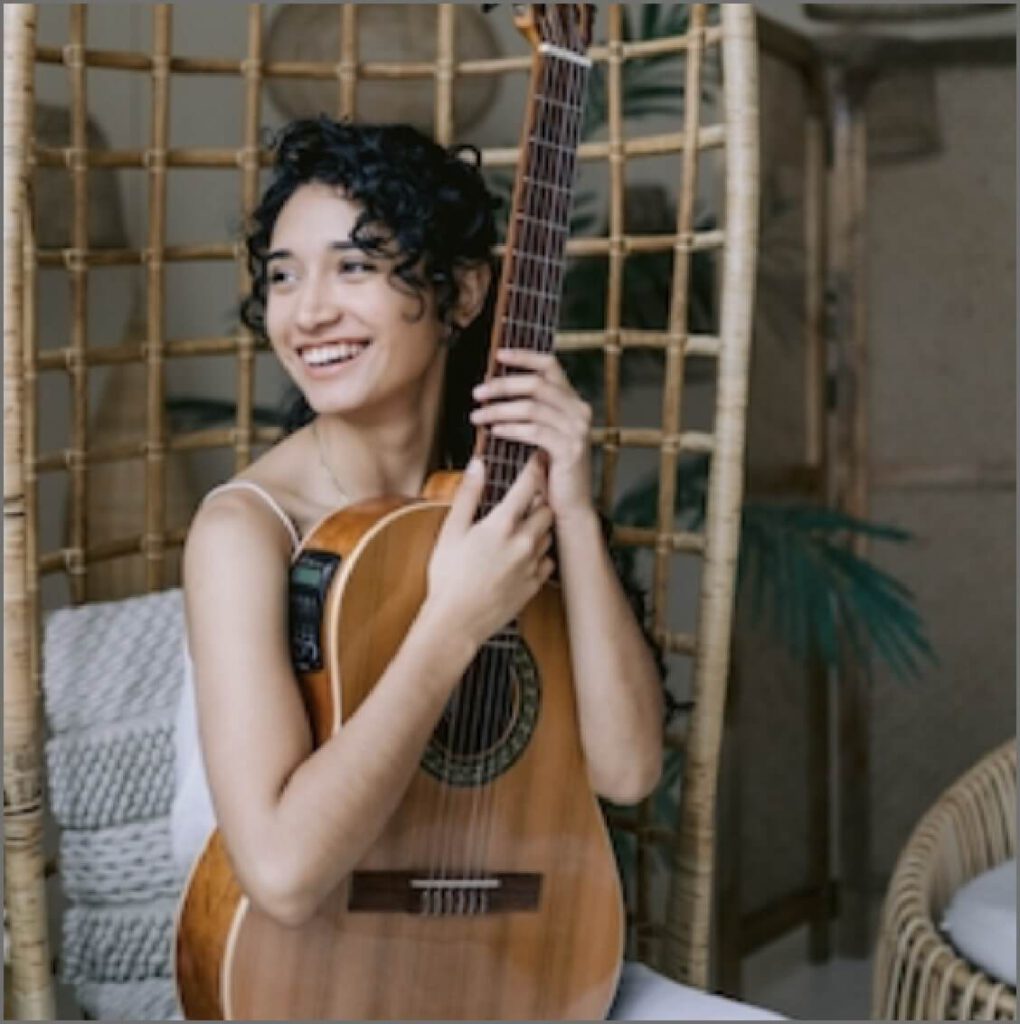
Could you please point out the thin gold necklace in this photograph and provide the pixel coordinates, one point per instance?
(325, 464)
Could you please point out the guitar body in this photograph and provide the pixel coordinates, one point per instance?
(525, 920)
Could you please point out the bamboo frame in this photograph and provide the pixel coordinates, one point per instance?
(970, 829)
(24, 891)
(690, 901)
(682, 941)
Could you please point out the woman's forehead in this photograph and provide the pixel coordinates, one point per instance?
(314, 211)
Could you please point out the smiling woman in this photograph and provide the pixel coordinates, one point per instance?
(373, 282)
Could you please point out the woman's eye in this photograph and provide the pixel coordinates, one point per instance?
(354, 266)
(278, 276)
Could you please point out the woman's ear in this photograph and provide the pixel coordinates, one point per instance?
(473, 287)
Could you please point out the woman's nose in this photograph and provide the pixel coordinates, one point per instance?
(317, 304)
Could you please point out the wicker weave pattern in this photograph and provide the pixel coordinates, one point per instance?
(971, 828)
(139, 1000)
(681, 943)
(106, 662)
(108, 944)
(121, 864)
(93, 780)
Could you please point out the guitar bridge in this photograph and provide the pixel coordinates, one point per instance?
(417, 892)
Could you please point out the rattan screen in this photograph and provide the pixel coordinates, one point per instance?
(62, 367)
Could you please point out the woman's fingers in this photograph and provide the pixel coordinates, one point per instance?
(538, 389)
(525, 410)
(465, 501)
(516, 502)
(563, 448)
(538, 525)
(544, 363)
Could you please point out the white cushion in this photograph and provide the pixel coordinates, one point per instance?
(981, 921)
(645, 995)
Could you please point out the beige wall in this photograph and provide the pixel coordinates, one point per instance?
(941, 274)
(942, 320)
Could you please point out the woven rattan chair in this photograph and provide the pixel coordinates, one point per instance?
(678, 941)
(970, 829)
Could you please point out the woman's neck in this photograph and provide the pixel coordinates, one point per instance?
(390, 453)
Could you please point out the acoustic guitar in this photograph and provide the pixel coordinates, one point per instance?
(492, 893)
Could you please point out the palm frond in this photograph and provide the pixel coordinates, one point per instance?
(797, 572)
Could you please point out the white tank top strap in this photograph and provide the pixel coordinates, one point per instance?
(250, 485)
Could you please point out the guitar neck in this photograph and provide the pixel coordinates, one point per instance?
(528, 306)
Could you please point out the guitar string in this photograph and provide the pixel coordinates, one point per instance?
(476, 690)
(458, 731)
(562, 90)
(540, 279)
(491, 691)
(531, 307)
(519, 314)
(491, 696)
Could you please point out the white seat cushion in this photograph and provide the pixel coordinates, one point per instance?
(981, 922)
(646, 995)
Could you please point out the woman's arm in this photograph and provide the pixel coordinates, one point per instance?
(619, 692)
(297, 820)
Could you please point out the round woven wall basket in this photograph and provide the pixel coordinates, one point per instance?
(386, 32)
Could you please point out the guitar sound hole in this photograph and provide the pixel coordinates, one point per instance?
(489, 719)
(479, 713)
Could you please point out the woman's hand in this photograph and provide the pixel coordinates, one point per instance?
(541, 408)
(481, 574)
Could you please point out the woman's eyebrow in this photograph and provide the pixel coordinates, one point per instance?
(344, 245)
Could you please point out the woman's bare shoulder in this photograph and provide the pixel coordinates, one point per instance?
(234, 541)
(241, 503)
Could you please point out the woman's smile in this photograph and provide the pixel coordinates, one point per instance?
(323, 358)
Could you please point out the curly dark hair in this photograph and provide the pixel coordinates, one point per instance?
(426, 205)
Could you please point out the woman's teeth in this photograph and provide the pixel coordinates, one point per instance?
(325, 354)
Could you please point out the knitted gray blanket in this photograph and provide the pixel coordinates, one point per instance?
(111, 679)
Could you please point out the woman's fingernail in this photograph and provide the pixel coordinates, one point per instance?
(476, 467)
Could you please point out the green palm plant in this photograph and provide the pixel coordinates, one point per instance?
(798, 575)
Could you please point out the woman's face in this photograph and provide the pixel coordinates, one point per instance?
(351, 341)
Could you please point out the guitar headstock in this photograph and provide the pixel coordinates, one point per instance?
(568, 26)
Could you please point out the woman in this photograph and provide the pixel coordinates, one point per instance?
(371, 263)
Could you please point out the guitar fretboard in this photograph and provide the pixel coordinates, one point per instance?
(532, 282)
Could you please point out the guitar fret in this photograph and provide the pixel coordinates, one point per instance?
(538, 140)
(547, 296)
(572, 107)
(531, 324)
(546, 225)
(533, 258)
(548, 186)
